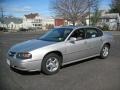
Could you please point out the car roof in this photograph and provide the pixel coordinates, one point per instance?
(76, 27)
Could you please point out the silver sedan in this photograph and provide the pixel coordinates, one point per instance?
(58, 47)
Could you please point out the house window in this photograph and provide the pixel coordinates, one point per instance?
(39, 24)
(35, 24)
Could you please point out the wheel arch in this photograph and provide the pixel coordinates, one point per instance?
(107, 43)
(55, 52)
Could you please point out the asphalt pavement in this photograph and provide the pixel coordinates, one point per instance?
(91, 74)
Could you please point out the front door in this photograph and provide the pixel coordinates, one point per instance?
(77, 49)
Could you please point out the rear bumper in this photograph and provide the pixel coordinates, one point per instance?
(25, 65)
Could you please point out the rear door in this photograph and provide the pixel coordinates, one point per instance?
(93, 40)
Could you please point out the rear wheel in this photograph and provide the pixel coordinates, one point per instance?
(51, 64)
(105, 51)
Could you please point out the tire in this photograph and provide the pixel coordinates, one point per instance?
(104, 51)
(51, 64)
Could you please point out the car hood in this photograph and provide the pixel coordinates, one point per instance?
(30, 45)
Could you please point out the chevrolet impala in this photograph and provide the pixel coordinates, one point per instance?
(58, 47)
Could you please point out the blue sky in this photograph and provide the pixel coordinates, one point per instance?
(20, 7)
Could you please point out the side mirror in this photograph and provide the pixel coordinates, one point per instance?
(73, 39)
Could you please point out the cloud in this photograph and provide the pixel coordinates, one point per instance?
(27, 7)
(24, 9)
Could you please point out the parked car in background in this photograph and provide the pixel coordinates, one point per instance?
(59, 47)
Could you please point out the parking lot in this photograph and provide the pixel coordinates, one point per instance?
(91, 74)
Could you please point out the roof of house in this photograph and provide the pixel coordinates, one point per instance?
(111, 16)
(58, 17)
(106, 15)
(7, 20)
(31, 15)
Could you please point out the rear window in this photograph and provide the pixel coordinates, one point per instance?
(100, 33)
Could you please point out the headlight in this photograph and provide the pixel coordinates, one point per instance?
(24, 55)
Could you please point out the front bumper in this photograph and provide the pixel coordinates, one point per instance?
(24, 65)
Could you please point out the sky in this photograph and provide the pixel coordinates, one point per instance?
(19, 8)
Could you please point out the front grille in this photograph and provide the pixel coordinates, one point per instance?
(11, 54)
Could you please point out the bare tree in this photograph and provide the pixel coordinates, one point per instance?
(2, 11)
(115, 6)
(96, 13)
(71, 10)
(2, 17)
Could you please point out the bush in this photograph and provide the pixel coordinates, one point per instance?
(105, 27)
(23, 29)
(3, 29)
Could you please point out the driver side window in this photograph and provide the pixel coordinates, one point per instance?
(79, 34)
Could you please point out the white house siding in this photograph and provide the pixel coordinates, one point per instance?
(32, 22)
(27, 23)
(14, 26)
(112, 24)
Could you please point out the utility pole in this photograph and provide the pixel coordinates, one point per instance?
(2, 17)
(89, 10)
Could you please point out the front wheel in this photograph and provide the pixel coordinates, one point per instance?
(105, 51)
(51, 64)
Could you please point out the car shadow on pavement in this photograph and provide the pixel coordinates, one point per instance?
(25, 72)
(79, 62)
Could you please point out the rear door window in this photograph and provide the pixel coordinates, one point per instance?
(91, 33)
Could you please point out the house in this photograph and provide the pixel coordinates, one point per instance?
(60, 21)
(32, 20)
(11, 23)
(112, 20)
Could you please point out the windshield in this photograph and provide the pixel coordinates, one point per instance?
(56, 35)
